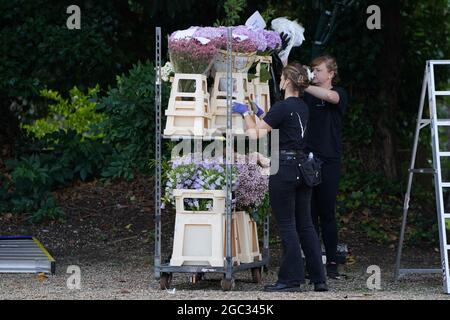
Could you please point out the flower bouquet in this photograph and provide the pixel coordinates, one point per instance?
(249, 181)
(191, 55)
(193, 49)
(246, 45)
(252, 182)
(186, 173)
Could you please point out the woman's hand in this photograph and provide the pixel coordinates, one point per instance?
(240, 108)
(256, 109)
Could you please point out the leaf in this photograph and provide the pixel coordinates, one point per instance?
(265, 75)
(42, 276)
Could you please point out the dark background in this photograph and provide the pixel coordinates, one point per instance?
(381, 69)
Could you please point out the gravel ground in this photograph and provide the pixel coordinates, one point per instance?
(129, 275)
(108, 232)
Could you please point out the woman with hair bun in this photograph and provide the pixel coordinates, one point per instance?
(290, 197)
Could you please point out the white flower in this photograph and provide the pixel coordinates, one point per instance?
(310, 74)
(203, 40)
(167, 71)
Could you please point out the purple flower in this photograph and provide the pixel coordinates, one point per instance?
(249, 184)
(273, 39)
(210, 32)
(196, 186)
(219, 169)
(255, 36)
(252, 186)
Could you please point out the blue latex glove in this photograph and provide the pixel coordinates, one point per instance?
(257, 110)
(239, 108)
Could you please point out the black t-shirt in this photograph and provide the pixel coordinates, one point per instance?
(324, 133)
(290, 117)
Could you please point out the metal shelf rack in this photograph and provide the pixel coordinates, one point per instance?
(163, 271)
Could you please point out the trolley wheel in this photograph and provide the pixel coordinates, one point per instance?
(227, 284)
(165, 280)
(201, 275)
(257, 275)
(196, 277)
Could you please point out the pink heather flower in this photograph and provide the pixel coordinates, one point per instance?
(190, 56)
(245, 46)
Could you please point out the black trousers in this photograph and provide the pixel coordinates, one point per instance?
(290, 200)
(323, 206)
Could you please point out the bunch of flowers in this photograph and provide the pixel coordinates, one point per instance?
(273, 39)
(190, 55)
(245, 39)
(255, 36)
(237, 45)
(252, 185)
(187, 173)
(249, 183)
(211, 33)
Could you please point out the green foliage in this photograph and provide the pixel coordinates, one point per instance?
(359, 129)
(31, 181)
(77, 113)
(58, 159)
(130, 123)
(165, 161)
(270, 12)
(38, 49)
(263, 211)
(233, 13)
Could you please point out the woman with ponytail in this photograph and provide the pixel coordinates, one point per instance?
(290, 197)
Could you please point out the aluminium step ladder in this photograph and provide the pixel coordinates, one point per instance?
(440, 141)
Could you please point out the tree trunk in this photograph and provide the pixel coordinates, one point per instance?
(389, 77)
(9, 128)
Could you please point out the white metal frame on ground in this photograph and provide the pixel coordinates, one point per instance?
(24, 254)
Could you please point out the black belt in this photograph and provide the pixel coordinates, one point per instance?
(292, 153)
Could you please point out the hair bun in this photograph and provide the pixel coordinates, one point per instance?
(298, 75)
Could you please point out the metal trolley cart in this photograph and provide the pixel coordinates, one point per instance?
(164, 271)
